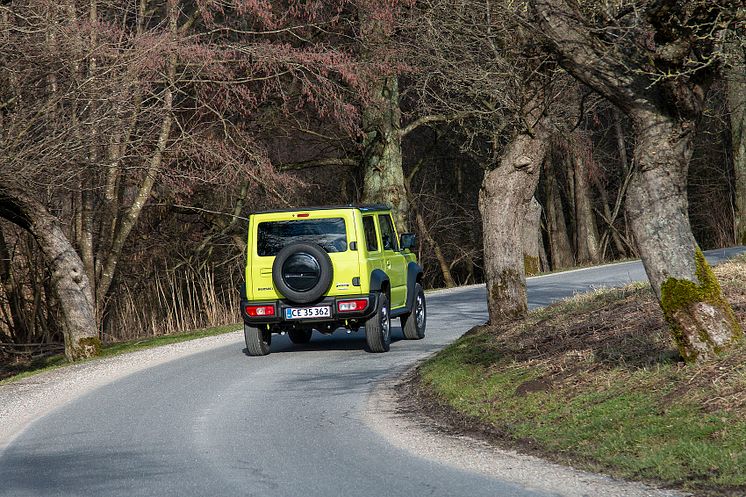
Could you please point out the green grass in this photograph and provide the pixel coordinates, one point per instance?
(633, 422)
(119, 348)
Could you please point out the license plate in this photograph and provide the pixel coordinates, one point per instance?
(322, 311)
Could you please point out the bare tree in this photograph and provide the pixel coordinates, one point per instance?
(69, 278)
(103, 102)
(482, 66)
(654, 60)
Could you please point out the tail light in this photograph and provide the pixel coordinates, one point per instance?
(352, 305)
(260, 310)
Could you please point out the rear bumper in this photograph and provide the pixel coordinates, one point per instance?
(280, 307)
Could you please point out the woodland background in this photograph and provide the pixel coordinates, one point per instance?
(148, 130)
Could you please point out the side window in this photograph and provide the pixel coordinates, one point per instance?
(371, 240)
(388, 235)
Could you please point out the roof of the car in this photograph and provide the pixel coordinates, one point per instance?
(361, 208)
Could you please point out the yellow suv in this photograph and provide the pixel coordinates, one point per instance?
(326, 268)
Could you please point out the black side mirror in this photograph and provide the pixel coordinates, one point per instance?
(407, 241)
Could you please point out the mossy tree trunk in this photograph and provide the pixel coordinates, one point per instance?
(69, 278)
(702, 322)
(504, 201)
(664, 111)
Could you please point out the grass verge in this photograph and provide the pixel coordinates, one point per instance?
(596, 382)
(23, 370)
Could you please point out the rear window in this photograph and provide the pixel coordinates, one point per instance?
(329, 233)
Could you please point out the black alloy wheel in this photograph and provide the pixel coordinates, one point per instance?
(413, 324)
(257, 340)
(378, 327)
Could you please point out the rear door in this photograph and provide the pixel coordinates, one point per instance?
(333, 230)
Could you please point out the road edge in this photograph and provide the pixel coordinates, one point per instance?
(24, 401)
(386, 414)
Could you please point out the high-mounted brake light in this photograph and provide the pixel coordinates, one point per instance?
(260, 310)
(352, 305)
(305, 214)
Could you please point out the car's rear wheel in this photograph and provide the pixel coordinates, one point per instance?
(257, 341)
(300, 337)
(378, 327)
(413, 324)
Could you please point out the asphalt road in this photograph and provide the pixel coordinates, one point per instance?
(220, 423)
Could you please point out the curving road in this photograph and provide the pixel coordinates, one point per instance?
(219, 423)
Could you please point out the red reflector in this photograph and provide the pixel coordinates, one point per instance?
(260, 310)
(352, 305)
(303, 215)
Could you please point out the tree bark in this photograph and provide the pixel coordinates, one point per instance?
(663, 115)
(383, 180)
(383, 176)
(69, 279)
(736, 94)
(702, 322)
(504, 200)
(560, 249)
(531, 238)
(586, 231)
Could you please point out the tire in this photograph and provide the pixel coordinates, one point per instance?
(310, 268)
(378, 327)
(413, 324)
(257, 341)
(300, 337)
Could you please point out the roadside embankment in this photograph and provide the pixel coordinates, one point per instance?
(596, 382)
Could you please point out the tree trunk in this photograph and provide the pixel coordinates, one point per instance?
(69, 279)
(663, 115)
(383, 176)
(504, 199)
(736, 94)
(702, 322)
(382, 156)
(586, 231)
(531, 238)
(445, 269)
(559, 242)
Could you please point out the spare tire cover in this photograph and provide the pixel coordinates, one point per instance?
(302, 272)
